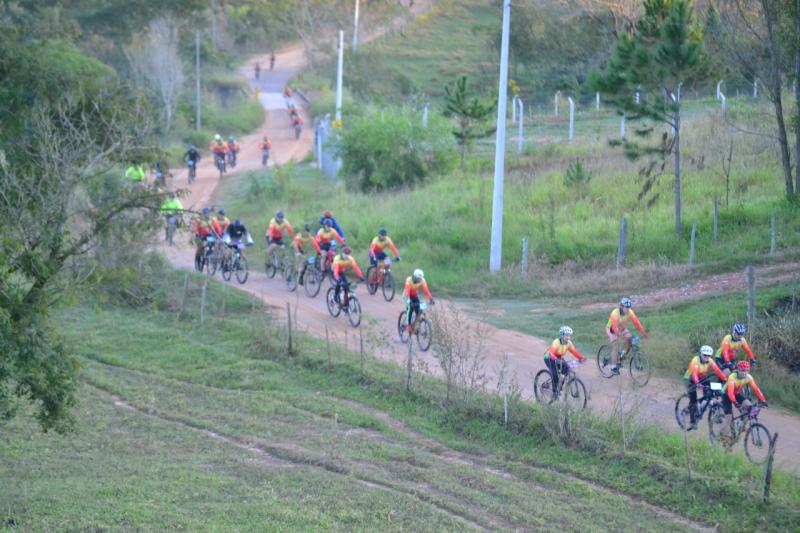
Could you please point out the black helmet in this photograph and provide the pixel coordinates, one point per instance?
(221, 211)
(237, 222)
(382, 232)
(307, 228)
(327, 223)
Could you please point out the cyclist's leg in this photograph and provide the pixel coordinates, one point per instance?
(345, 289)
(552, 366)
(691, 390)
(413, 311)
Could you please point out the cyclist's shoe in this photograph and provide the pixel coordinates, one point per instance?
(615, 370)
(410, 328)
(197, 264)
(300, 280)
(692, 425)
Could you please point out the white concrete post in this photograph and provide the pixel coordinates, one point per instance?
(622, 127)
(636, 98)
(571, 119)
(355, 27)
(514, 109)
(521, 134)
(719, 88)
(755, 88)
(724, 103)
(425, 116)
(339, 68)
(597, 101)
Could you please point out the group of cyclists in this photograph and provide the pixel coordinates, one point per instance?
(723, 365)
(294, 114)
(224, 152)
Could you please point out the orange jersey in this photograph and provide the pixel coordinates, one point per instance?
(734, 386)
(266, 145)
(218, 148)
(558, 350)
(234, 147)
(730, 347)
(223, 222)
(325, 237)
(697, 370)
(207, 227)
(379, 245)
(412, 289)
(301, 240)
(276, 229)
(617, 321)
(341, 266)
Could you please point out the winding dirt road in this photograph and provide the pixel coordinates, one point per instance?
(379, 326)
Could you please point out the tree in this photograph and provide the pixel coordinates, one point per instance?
(664, 51)
(470, 114)
(156, 64)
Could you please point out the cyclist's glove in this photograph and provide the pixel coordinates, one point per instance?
(763, 404)
(754, 362)
(397, 258)
(432, 302)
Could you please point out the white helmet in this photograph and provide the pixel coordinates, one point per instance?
(217, 137)
(565, 330)
(418, 274)
(706, 350)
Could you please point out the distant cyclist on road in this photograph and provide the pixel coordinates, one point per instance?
(696, 377)
(415, 283)
(232, 150)
(379, 244)
(266, 146)
(192, 156)
(616, 328)
(729, 349)
(556, 352)
(734, 394)
(218, 148)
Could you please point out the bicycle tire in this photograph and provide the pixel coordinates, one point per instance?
(573, 391)
(639, 368)
(271, 265)
(543, 387)
(402, 327)
(716, 423)
(354, 311)
(604, 361)
(372, 280)
(312, 282)
(242, 270)
(330, 302)
(424, 334)
(682, 414)
(387, 287)
(290, 276)
(756, 443)
(227, 270)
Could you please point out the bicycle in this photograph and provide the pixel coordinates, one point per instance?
(421, 327)
(192, 170)
(638, 365)
(275, 262)
(757, 437)
(380, 275)
(545, 393)
(352, 308)
(312, 280)
(712, 395)
(219, 162)
(235, 263)
(264, 156)
(211, 259)
(231, 158)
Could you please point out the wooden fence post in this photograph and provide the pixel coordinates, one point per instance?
(523, 264)
(203, 301)
(408, 363)
(768, 470)
(328, 346)
(504, 392)
(716, 219)
(622, 243)
(773, 237)
(691, 244)
(224, 297)
(794, 291)
(289, 327)
(687, 448)
(751, 296)
(361, 349)
(185, 294)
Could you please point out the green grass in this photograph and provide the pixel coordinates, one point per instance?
(329, 449)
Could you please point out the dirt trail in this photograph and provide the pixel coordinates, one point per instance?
(380, 318)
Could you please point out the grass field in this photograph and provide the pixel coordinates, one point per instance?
(213, 427)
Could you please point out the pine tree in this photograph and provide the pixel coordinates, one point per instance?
(470, 113)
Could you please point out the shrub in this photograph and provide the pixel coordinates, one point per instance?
(578, 177)
(395, 150)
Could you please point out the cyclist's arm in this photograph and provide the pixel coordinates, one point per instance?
(636, 323)
(393, 247)
(695, 372)
(427, 291)
(337, 268)
(315, 244)
(271, 231)
(407, 291)
(575, 352)
(758, 392)
(612, 327)
(551, 351)
(372, 247)
(217, 227)
(338, 236)
(747, 350)
(725, 351)
(290, 229)
(717, 371)
(357, 270)
(730, 388)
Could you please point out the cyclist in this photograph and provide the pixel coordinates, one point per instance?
(232, 149)
(297, 124)
(379, 243)
(322, 242)
(257, 68)
(341, 264)
(266, 146)
(696, 377)
(731, 344)
(329, 215)
(222, 220)
(616, 327)
(277, 226)
(555, 353)
(171, 208)
(234, 233)
(414, 283)
(218, 148)
(734, 393)
(136, 174)
(192, 156)
(301, 241)
(272, 61)
(204, 227)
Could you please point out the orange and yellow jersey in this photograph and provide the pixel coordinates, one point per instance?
(379, 245)
(734, 386)
(730, 347)
(301, 240)
(218, 147)
(223, 222)
(557, 350)
(617, 321)
(697, 370)
(325, 237)
(341, 266)
(233, 147)
(207, 227)
(276, 229)
(412, 289)
(265, 145)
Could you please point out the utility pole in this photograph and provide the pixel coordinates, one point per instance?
(355, 28)
(197, 79)
(496, 248)
(339, 77)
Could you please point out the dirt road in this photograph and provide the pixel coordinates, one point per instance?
(524, 352)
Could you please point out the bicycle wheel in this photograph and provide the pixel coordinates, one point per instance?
(402, 327)
(573, 391)
(604, 361)
(242, 271)
(424, 334)
(388, 287)
(543, 387)
(290, 277)
(716, 423)
(372, 280)
(354, 311)
(682, 415)
(640, 368)
(227, 269)
(312, 281)
(271, 265)
(756, 443)
(333, 306)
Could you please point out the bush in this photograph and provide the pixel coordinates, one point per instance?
(395, 150)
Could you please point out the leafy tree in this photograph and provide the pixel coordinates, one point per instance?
(663, 52)
(470, 113)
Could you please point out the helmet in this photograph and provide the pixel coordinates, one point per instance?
(706, 350)
(192, 147)
(237, 222)
(565, 330)
(346, 250)
(738, 329)
(221, 211)
(382, 232)
(307, 228)
(418, 274)
(327, 223)
(626, 302)
(231, 139)
(206, 211)
(744, 366)
(279, 215)
(327, 214)
(264, 138)
(217, 137)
